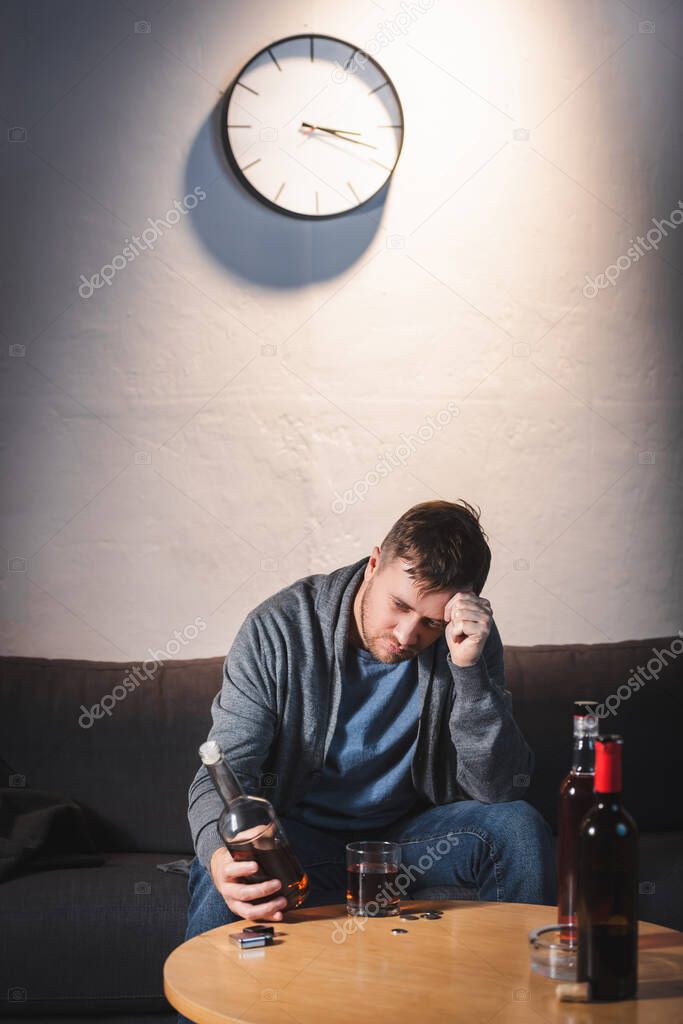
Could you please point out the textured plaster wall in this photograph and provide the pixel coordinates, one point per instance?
(203, 431)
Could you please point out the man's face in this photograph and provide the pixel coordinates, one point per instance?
(393, 623)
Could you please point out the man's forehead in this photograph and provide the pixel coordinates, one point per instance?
(403, 585)
(402, 568)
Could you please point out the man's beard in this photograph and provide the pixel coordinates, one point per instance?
(376, 645)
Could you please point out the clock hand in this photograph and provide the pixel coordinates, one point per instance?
(337, 132)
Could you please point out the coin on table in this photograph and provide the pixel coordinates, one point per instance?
(432, 915)
(399, 931)
(409, 917)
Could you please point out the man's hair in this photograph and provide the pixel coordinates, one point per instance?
(444, 544)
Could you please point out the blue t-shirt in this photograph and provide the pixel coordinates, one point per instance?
(366, 779)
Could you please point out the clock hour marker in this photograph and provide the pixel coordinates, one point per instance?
(353, 54)
(389, 125)
(274, 60)
(277, 194)
(248, 87)
(355, 194)
(247, 166)
(380, 165)
(240, 126)
(377, 89)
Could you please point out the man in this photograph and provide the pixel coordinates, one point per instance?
(370, 702)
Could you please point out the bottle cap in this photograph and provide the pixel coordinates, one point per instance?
(608, 764)
(210, 752)
(585, 718)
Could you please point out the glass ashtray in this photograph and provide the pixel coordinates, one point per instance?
(553, 951)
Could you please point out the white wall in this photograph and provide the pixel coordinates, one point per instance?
(262, 364)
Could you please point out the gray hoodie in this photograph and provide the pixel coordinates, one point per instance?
(276, 711)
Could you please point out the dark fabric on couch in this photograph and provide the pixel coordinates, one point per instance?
(104, 934)
(39, 831)
(550, 677)
(99, 943)
(165, 1017)
(131, 769)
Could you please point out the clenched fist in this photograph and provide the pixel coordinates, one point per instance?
(468, 624)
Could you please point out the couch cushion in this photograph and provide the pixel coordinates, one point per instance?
(544, 680)
(127, 1018)
(98, 937)
(131, 769)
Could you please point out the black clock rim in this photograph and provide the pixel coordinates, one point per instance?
(232, 160)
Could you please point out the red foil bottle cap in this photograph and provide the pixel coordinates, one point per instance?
(608, 764)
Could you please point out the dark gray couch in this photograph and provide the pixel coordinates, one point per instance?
(88, 941)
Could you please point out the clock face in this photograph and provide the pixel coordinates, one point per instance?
(313, 126)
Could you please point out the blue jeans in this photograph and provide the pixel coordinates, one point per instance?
(503, 852)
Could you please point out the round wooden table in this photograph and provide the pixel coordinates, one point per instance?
(471, 966)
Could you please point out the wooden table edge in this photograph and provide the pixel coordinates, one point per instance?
(208, 1016)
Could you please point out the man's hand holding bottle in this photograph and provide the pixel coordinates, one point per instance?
(228, 876)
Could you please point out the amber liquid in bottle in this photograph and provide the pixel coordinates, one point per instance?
(575, 799)
(275, 862)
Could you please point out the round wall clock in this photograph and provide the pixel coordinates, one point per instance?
(312, 126)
